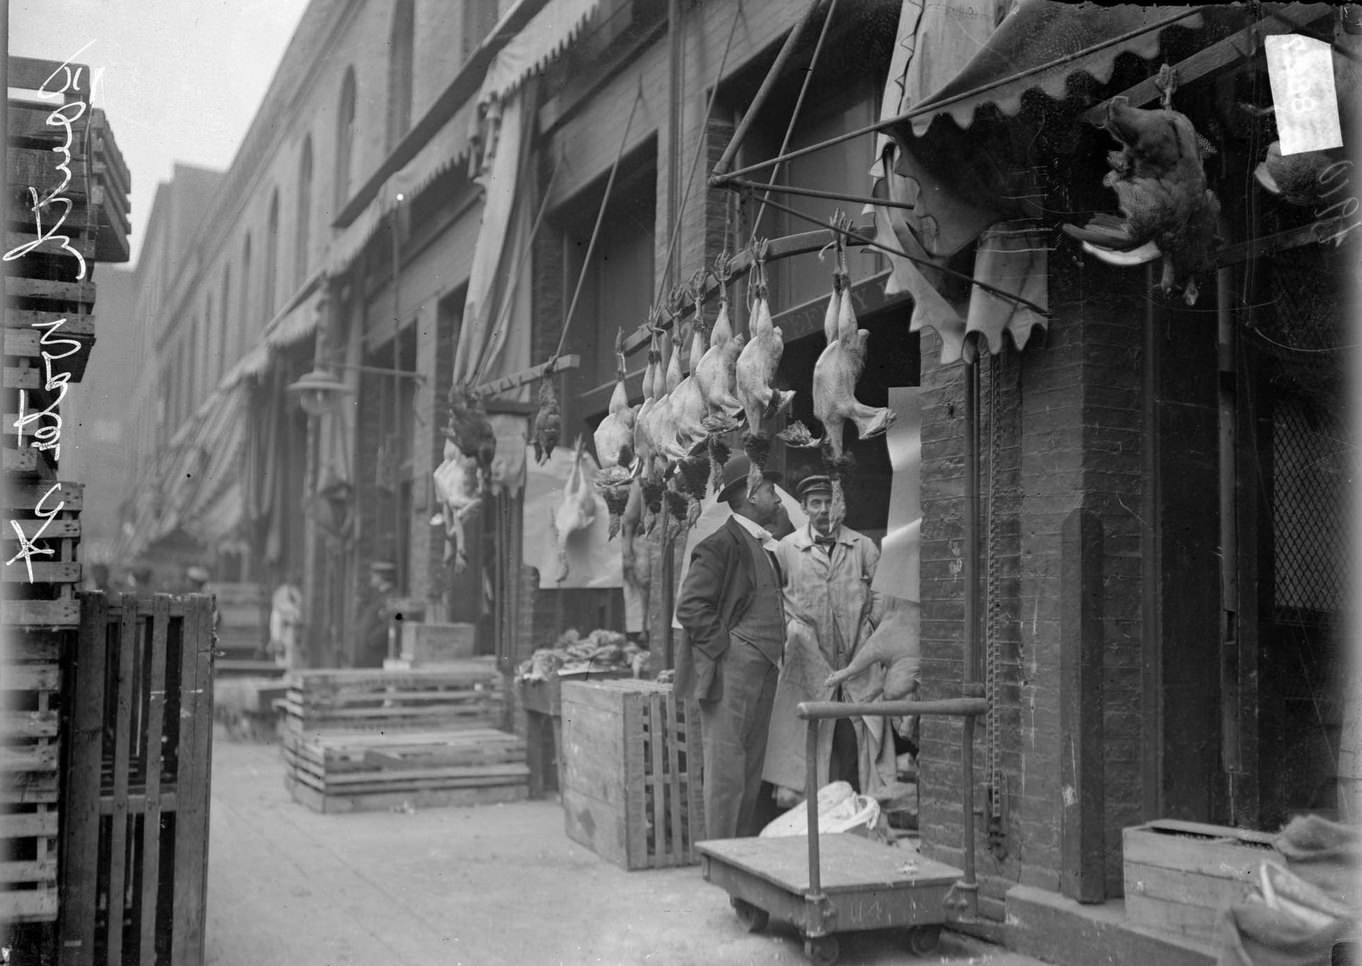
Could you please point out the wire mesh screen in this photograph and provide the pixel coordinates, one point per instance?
(1308, 523)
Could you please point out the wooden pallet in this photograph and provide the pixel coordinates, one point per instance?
(463, 695)
(344, 772)
(387, 801)
(30, 688)
(631, 772)
(135, 836)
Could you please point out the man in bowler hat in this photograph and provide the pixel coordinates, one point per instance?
(731, 609)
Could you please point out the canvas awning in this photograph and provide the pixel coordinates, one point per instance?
(546, 36)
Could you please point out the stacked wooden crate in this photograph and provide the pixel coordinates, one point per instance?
(361, 738)
(631, 783)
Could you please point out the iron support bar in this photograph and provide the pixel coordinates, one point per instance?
(816, 193)
(763, 92)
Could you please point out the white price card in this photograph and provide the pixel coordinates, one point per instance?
(1301, 71)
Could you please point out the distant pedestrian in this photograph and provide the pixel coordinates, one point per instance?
(376, 622)
(730, 607)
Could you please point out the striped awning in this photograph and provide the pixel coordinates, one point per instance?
(537, 44)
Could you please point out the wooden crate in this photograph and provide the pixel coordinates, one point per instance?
(1180, 875)
(30, 692)
(542, 701)
(41, 591)
(355, 772)
(631, 772)
(434, 643)
(137, 782)
(463, 695)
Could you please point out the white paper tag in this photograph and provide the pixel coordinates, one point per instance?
(1301, 71)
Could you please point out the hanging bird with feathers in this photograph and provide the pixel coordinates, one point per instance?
(548, 420)
(472, 432)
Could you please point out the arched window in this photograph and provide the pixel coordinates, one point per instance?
(303, 235)
(221, 367)
(345, 137)
(271, 257)
(399, 71)
(247, 322)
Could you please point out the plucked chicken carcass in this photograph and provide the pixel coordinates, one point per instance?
(576, 510)
(688, 405)
(652, 389)
(1167, 210)
(896, 646)
(614, 436)
(458, 492)
(836, 373)
(548, 421)
(715, 373)
(756, 368)
(661, 426)
(472, 432)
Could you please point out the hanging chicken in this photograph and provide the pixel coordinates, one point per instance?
(577, 508)
(614, 438)
(472, 432)
(1167, 209)
(649, 471)
(548, 421)
(458, 492)
(835, 375)
(715, 372)
(635, 561)
(755, 372)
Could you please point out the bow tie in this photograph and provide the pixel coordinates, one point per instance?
(826, 543)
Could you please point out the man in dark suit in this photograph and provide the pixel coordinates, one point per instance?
(732, 611)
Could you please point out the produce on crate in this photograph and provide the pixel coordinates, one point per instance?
(600, 650)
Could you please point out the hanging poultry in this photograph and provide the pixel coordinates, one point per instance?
(614, 438)
(635, 562)
(456, 487)
(715, 373)
(756, 370)
(548, 421)
(472, 432)
(689, 409)
(1167, 210)
(649, 472)
(577, 509)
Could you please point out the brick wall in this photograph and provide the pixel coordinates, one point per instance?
(1069, 414)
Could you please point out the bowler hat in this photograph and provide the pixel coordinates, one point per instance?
(810, 485)
(735, 472)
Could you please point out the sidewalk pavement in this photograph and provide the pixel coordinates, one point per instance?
(480, 886)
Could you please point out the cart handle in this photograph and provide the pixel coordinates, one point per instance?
(953, 707)
(816, 711)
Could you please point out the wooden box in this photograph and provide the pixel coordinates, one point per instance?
(631, 772)
(542, 702)
(466, 694)
(436, 643)
(1179, 876)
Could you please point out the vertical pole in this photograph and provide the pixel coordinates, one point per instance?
(1151, 722)
(973, 655)
(967, 784)
(811, 803)
(1230, 752)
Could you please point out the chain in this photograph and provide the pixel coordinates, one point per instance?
(993, 588)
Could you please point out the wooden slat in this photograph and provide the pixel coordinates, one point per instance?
(118, 839)
(31, 73)
(85, 213)
(21, 460)
(39, 288)
(658, 778)
(677, 845)
(43, 573)
(40, 321)
(39, 871)
(41, 613)
(28, 758)
(191, 843)
(27, 343)
(29, 127)
(28, 788)
(27, 724)
(22, 377)
(151, 837)
(63, 242)
(29, 677)
(57, 529)
(22, 825)
(30, 905)
(36, 168)
(27, 496)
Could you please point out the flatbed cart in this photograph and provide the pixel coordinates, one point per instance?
(844, 882)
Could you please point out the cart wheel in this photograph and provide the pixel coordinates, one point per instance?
(822, 951)
(753, 918)
(924, 939)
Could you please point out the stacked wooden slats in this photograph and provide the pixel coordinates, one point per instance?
(631, 783)
(40, 588)
(367, 738)
(30, 686)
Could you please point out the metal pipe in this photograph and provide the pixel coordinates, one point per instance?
(967, 784)
(973, 670)
(1151, 752)
(1230, 751)
(949, 707)
(811, 798)
(816, 193)
(763, 92)
(677, 56)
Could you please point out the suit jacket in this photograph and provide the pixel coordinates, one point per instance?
(717, 592)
